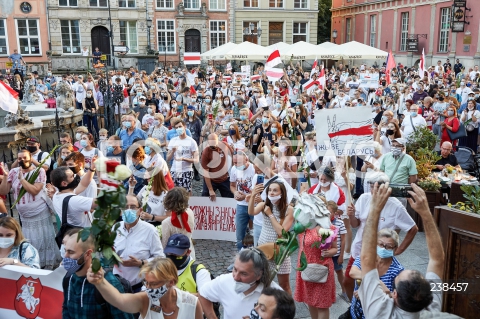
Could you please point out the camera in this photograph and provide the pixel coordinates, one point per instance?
(401, 190)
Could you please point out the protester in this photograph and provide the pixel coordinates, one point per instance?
(273, 304)
(398, 166)
(14, 248)
(37, 155)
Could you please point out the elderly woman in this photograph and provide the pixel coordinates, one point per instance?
(137, 243)
(161, 299)
(14, 248)
(387, 265)
(473, 115)
(182, 219)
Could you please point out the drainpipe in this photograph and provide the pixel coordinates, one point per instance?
(48, 27)
(233, 26)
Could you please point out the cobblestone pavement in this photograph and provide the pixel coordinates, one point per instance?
(218, 255)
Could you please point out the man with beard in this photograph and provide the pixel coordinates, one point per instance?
(33, 146)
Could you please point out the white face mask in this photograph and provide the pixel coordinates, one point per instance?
(6, 242)
(103, 138)
(282, 148)
(241, 287)
(274, 199)
(78, 136)
(157, 293)
(324, 184)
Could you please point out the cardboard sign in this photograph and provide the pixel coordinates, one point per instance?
(214, 220)
(369, 80)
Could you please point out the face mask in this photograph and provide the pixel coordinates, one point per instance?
(298, 103)
(390, 132)
(274, 130)
(49, 74)
(6, 242)
(476, 96)
(254, 314)
(127, 124)
(179, 261)
(153, 87)
(243, 118)
(148, 150)
(63, 157)
(180, 130)
(278, 105)
(190, 113)
(180, 108)
(73, 184)
(394, 81)
(110, 149)
(241, 287)
(469, 85)
(282, 148)
(149, 111)
(413, 113)
(207, 101)
(384, 119)
(324, 184)
(297, 111)
(264, 120)
(232, 132)
(32, 149)
(73, 265)
(450, 113)
(221, 114)
(83, 143)
(268, 91)
(89, 95)
(240, 168)
(226, 102)
(174, 105)
(396, 151)
(157, 293)
(274, 199)
(139, 93)
(384, 253)
(129, 216)
(103, 138)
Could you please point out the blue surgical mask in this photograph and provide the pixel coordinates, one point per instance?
(469, 84)
(243, 117)
(179, 130)
(110, 149)
(265, 120)
(63, 157)
(139, 93)
(299, 103)
(384, 253)
(232, 132)
(268, 91)
(148, 150)
(240, 168)
(278, 105)
(72, 265)
(129, 216)
(83, 143)
(413, 113)
(207, 100)
(274, 130)
(190, 113)
(127, 124)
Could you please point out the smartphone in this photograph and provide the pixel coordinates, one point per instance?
(265, 108)
(401, 190)
(260, 179)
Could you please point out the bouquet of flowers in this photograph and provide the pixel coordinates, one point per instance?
(327, 236)
(110, 202)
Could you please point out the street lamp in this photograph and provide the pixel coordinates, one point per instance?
(149, 25)
(334, 35)
(248, 31)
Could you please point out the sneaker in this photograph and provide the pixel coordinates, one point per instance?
(230, 268)
(344, 296)
(346, 256)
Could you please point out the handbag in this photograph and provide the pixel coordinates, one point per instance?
(314, 272)
(462, 132)
(65, 226)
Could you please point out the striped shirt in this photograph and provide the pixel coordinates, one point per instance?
(341, 231)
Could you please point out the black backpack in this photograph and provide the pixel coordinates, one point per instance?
(50, 169)
(194, 269)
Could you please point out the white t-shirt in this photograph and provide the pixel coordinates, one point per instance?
(277, 112)
(185, 148)
(91, 190)
(418, 121)
(45, 154)
(310, 158)
(244, 180)
(394, 215)
(258, 219)
(155, 203)
(78, 213)
(29, 205)
(386, 144)
(156, 161)
(148, 119)
(89, 155)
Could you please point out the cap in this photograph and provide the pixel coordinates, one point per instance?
(475, 90)
(471, 92)
(35, 72)
(190, 107)
(376, 102)
(177, 244)
(33, 139)
(401, 141)
(142, 98)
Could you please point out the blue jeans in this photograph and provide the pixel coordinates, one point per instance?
(257, 230)
(241, 221)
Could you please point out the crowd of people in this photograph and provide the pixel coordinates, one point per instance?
(254, 142)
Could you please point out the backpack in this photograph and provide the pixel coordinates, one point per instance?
(194, 268)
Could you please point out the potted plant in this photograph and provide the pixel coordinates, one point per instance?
(472, 196)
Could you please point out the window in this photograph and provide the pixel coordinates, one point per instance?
(218, 5)
(165, 4)
(252, 35)
(444, 29)
(166, 36)
(300, 4)
(404, 32)
(70, 36)
(126, 3)
(3, 38)
(192, 4)
(373, 30)
(275, 32)
(348, 31)
(250, 3)
(67, 3)
(276, 3)
(128, 35)
(218, 33)
(299, 31)
(28, 36)
(98, 3)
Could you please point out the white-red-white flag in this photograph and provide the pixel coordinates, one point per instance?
(273, 60)
(227, 78)
(310, 85)
(8, 98)
(274, 74)
(190, 58)
(421, 67)
(255, 77)
(321, 78)
(314, 68)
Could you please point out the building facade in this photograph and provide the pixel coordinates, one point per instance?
(287, 21)
(23, 26)
(391, 24)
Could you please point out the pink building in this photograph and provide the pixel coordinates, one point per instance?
(389, 24)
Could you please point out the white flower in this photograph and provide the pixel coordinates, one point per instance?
(121, 173)
(100, 164)
(330, 232)
(305, 218)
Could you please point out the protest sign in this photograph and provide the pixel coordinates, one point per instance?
(214, 220)
(246, 69)
(31, 293)
(245, 77)
(344, 131)
(369, 80)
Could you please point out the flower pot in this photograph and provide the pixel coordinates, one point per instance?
(434, 199)
(460, 235)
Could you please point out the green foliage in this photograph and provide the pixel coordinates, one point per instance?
(472, 195)
(324, 21)
(423, 137)
(287, 244)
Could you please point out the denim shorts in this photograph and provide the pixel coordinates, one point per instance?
(336, 266)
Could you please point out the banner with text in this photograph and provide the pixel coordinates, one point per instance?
(31, 293)
(369, 80)
(345, 131)
(214, 220)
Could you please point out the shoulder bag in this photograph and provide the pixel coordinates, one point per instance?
(314, 272)
(462, 132)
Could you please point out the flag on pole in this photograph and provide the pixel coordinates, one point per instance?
(421, 67)
(255, 77)
(8, 98)
(192, 90)
(390, 65)
(310, 85)
(321, 78)
(314, 67)
(273, 60)
(227, 78)
(190, 58)
(274, 74)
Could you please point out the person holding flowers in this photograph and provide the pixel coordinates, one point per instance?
(32, 207)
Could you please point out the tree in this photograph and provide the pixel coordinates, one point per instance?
(324, 21)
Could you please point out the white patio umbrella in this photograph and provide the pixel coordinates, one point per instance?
(280, 46)
(358, 51)
(307, 51)
(327, 45)
(217, 53)
(247, 51)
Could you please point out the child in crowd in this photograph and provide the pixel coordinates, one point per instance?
(102, 143)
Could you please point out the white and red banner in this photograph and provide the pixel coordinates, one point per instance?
(214, 220)
(314, 68)
(390, 65)
(321, 78)
(274, 74)
(310, 85)
(255, 77)
(421, 67)
(8, 98)
(273, 60)
(344, 131)
(190, 58)
(31, 293)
